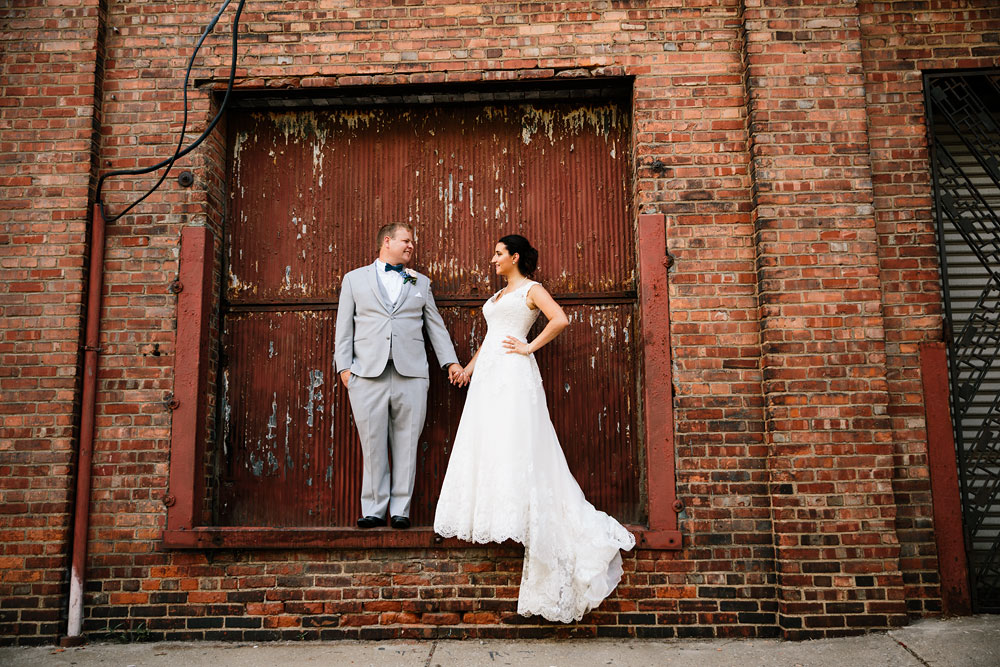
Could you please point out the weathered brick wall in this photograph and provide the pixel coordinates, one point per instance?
(822, 334)
(698, 133)
(783, 144)
(49, 73)
(899, 42)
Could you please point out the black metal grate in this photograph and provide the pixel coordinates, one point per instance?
(966, 173)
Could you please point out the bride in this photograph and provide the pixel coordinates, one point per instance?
(507, 477)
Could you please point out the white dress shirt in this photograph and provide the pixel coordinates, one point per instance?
(392, 281)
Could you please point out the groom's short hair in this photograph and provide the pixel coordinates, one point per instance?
(390, 230)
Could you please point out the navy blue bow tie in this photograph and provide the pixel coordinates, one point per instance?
(398, 268)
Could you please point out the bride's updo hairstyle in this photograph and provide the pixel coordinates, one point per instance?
(527, 257)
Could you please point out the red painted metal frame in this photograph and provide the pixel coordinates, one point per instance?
(956, 599)
(241, 537)
(188, 432)
(189, 423)
(657, 384)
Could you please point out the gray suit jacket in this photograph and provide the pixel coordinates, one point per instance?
(367, 324)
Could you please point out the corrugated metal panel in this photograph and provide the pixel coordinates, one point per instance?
(590, 384)
(309, 190)
(285, 423)
(290, 445)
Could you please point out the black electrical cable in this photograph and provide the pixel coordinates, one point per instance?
(178, 153)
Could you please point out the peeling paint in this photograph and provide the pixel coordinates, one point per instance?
(555, 123)
(256, 463)
(447, 196)
(286, 282)
(288, 430)
(238, 142)
(314, 398)
(318, 160)
(226, 412)
(272, 419)
(235, 284)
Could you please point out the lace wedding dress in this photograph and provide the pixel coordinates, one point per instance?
(507, 478)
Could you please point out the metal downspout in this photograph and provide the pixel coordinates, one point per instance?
(81, 522)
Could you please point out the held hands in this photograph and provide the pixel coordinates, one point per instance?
(457, 375)
(515, 346)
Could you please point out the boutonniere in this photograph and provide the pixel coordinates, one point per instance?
(409, 277)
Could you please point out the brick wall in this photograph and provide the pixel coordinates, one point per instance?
(783, 143)
(822, 333)
(900, 40)
(49, 74)
(699, 134)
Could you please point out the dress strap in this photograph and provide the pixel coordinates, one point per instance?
(520, 288)
(524, 289)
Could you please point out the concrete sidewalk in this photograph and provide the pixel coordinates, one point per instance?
(961, 642)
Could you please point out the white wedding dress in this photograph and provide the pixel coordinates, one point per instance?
(507, 478)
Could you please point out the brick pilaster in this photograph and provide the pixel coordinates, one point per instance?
(822, 334)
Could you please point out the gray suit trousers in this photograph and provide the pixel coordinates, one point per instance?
(389, 411)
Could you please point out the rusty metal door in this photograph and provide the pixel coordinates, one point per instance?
(309, 190)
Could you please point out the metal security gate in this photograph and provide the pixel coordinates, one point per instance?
(308, 191)
(964, 120)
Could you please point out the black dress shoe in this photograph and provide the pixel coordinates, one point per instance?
(371, 521)
(400, 522)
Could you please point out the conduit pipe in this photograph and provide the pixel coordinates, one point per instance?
(85, 456)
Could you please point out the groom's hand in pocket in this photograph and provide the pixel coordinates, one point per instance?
(345, 376)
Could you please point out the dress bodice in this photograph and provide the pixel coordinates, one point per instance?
(510, 315)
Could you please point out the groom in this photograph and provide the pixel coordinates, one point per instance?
(380, 356)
